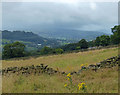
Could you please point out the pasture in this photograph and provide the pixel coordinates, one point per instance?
(105, 80)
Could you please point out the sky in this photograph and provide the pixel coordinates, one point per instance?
(45, 16)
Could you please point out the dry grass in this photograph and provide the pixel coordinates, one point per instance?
(103, 81)
(65, 62)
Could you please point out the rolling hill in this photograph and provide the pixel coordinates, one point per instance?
(70, 34)
(28, 38)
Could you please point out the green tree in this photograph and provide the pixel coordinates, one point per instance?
(83, 44)
(91, 43)
(103, 40)
(97, 41)
(115, 38)
(46, 50)
(70, 47)
(58, 51)
(12, 50)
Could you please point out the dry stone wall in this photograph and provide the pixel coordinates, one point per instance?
(39, 69)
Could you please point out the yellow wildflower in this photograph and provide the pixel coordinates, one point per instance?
(69, 75)
(68, 78)
(81, 65)
(65, 85)
(85, 86)
(79, 86)
(82, 83)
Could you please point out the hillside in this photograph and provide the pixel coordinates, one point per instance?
(28, 38)
(105, 80)
(70, 34)
(65, 62)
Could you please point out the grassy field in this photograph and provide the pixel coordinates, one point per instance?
(103, 81)
(65, 62)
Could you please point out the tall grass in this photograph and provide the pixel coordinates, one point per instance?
(103, 81)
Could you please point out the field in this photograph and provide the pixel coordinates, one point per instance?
(103, 81)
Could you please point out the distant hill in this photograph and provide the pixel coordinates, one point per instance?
(71, 34)
(29, 38)
(51, 38)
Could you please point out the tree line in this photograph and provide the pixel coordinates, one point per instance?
(17, 49)
(103, 40)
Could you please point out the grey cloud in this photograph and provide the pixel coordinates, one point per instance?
(42, 16)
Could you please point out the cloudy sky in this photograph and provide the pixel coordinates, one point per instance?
(43, 16)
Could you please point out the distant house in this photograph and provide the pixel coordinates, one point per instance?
(92, 48)
(39, 44)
